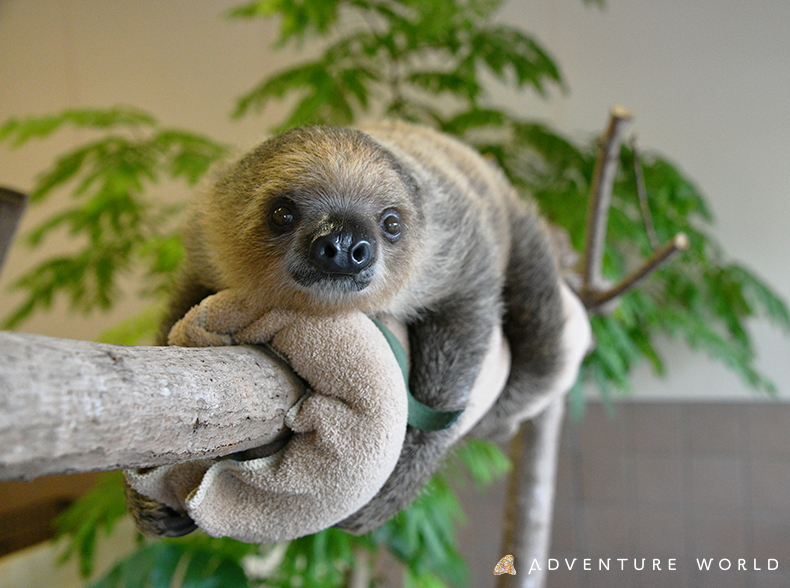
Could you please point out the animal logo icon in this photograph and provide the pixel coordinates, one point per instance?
(505, 566)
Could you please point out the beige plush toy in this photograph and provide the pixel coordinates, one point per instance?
(348, 431)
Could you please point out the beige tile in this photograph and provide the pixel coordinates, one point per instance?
(562, 577)
(718, 535)
(718, 579)
(717, 481)
(604, 430)
(660, 579)
(607, 531)
(661, 533)
(771, 537)
(683, 481)
(603, 478)
(769, 483)
(614, 578)
(562, 533)
(769, 428)
(658, 479)
(565, 477)
(775, 579)
(656, 428)
(718, 428)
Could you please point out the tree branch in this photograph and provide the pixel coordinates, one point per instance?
(679, 242)
(529, 509)
(601, 198)
(77, 406)
(360, 574)
(641, 192)
(530, 505)
(12, 205)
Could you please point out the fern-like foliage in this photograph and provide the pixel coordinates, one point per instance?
(400, 59)
(117, 226)
(430, 61)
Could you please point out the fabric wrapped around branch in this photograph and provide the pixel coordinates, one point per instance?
(347, 432)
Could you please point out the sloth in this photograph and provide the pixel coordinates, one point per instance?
(390, 219)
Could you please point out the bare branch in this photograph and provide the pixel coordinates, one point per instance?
(360, 574)
(530, 496)
(641, 192)
(534, 450)
(601, 197)
(679, 243)
(76, 406)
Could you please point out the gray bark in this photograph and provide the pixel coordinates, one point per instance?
(76, 406)
(529, 510)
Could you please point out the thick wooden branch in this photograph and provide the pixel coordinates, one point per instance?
(77, 406)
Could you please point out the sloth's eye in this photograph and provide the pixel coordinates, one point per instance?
(282, 216)
(390, 222)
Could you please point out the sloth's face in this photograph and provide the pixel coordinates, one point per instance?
(337, 253)
(321, 220)
(334, 250)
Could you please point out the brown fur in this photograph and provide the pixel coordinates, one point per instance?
(471, 255)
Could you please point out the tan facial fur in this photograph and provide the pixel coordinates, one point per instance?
(321, 175)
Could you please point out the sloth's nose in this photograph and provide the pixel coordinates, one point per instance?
(341, 253)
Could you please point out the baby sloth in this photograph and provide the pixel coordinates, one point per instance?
(393, 219)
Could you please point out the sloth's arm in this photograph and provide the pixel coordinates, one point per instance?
(447, 349)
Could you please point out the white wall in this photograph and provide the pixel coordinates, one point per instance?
(708, 81)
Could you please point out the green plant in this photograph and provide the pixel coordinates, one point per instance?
(119, 226)
(422, 538)
(427, 61)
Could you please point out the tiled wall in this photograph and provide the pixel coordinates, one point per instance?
(682, 481)
(667, 482)
(656, 481)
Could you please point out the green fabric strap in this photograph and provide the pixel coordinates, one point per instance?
(421, 416)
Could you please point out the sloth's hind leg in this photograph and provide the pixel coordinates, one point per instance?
(533, 323)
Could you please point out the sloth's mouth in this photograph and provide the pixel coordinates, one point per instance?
(325, 284)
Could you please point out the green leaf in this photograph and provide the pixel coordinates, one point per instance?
(96, 510)
(320, 560)
(209, 570)
(139, 329)
(294, 79)
(423, 536)
(412, 579)
(165, 564)
(507, 51)
(297, 18)
(20, 131)
(484, 461)
(186, 155)
(118, 228)
(439, 82)
(759, 294)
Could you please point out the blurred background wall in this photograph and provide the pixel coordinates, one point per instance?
(707, 80)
